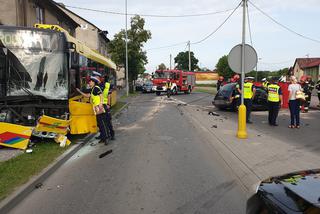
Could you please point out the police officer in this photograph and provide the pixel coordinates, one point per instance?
(168, 86)
(96, 99)
(308, 86)
(106, 105)
(274, 101)
(248, 95)
(265, 83)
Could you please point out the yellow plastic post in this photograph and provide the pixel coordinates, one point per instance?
(242, 129)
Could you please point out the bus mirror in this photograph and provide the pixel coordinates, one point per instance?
(71, 46)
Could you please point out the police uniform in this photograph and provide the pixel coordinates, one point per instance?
(110, 129)
(95, 100)
(274, 100)
(248, 89)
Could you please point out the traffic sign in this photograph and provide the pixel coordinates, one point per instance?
(234, 58)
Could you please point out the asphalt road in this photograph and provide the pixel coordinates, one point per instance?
(307, 137)
(159, 164)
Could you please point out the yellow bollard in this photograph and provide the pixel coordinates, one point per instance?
(242, 129)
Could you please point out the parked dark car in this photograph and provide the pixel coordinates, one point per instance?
(139, 86)
(297, 192)
(224, 98)
(147, 87)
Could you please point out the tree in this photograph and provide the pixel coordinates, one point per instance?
(137, 58)
(162, 66)
(223, 67)
(182, 60)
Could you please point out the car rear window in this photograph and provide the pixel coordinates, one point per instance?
(226, 90)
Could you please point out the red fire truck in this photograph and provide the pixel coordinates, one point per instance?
(181, 81)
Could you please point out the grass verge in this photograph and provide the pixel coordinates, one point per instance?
(117, 107)
(209, 90)
(20, 169)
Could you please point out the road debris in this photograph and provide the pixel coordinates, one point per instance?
(38, 185)
(105, 153)
(214, 126)
(29, 150)
(213, 113)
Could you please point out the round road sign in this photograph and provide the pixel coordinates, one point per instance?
(234, 58)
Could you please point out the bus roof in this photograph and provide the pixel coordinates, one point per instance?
(81, 48)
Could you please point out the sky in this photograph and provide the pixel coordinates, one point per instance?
(276, 47)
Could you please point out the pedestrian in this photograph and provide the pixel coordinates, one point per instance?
(248, 94)
(274, 101)
(294, 103)
(107, 105)
(318, 89)
(307, 86)
(96, 99)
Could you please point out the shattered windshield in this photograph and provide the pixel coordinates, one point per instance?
(162, 74)
(37, 65)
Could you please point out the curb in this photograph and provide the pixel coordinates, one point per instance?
(17, 196)
(8, 203)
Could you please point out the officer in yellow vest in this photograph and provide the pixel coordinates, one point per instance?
(96, 99)
(106, 105)
(274, 101)
(265, 83)
(248, 95)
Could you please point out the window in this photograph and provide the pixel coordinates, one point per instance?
(39, 15)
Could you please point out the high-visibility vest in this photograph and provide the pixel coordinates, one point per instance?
(169, 84)
(273, 93)
(247, 90)
(265, 84)
(106, 92)
(95, 99)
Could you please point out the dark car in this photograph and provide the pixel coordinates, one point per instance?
(297, 192)
(226, 98)
(139, 86)
(147, 87)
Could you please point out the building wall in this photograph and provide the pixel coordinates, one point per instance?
(298, 72)
(313, 72)
(23, 13)
(8, 13)
(89, 34)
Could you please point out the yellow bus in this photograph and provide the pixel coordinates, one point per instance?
(40, 69)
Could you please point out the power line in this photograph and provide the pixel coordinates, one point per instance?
(167, 46)
(285, 27)
(150, 15)
(213, 32)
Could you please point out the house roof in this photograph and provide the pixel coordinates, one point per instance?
(101, 32)
(51, 5)
(307, 62)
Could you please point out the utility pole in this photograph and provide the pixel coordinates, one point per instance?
(127, 68)
(243, 46)
(189, 56)
(170, 60)
(242, 129)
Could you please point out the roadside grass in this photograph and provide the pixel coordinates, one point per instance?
(19, 170)
(209, 90)
(206, 85)
(117, 107)
(135, 93)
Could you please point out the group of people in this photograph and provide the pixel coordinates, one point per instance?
(275, 98)
(99, 95)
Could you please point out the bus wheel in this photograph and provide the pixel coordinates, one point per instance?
(158, 93)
